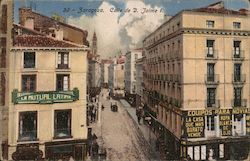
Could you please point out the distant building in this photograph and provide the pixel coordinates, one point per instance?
(197, 84)
(6, 16)
(130, 74)
(94, 69)
(47, 112)
(104, 72)
(116, 76)
(52, 27)
(139, 81)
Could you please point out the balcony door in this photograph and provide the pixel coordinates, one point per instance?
(210, 97)
(237, 72)
(210, 72)
(237, 97)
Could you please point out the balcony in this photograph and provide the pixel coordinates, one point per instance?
(211, 54)
(62, 66)
(238, 55)
(212, 79)
(239, 103)
(239, 79)
(212, 103)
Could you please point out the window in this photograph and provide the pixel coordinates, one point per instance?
(28, 83)
(63, 60)
(4, 19)
(29, 59)
(237, 72)
(236, 25)
(237, 49)
(62, 82)
(210, 48)
(210, 97)
(2, 89)
(62, 123)
(210, 24)
(237, 97)
(210, 72)
(27, 126)
(3, 58)
(210, 123)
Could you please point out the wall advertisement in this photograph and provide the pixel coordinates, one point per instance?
(194, 121)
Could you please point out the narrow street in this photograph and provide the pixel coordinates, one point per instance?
(119, 134)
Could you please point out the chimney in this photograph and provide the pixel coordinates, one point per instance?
(59, 34)
(29, 23)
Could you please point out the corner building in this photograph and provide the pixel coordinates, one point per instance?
(47, 108)
(197, 84)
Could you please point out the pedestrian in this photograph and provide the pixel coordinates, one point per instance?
(138, 114)
(94, 114)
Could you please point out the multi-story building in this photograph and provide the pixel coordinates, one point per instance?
(116, 76)
(104, 72)
(197, 83)
(94, 69)
(47, 87)
(130, 74)
(6, 19)
(139, 81)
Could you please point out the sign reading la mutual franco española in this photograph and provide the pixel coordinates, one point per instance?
(45, 97)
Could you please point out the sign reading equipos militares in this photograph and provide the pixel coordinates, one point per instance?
(45, 97)
(194, 121)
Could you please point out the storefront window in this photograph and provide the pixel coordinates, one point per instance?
(62, 126)
(27, 126)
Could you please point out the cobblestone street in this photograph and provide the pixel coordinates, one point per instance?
(120, 134)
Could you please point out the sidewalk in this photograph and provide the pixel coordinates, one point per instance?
(145, 130)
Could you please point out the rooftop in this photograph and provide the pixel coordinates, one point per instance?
(40, 41)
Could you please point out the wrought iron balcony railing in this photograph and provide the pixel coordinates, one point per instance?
(239, 103)
(212, 78)
(212, 103)
(238, 54)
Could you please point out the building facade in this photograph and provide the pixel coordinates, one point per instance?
(105, 72)
(6, 19)
(197, 83)
(47, 93)
(130, 75)
(139, 81)
(116, 76)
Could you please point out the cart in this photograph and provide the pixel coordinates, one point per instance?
(114, 106)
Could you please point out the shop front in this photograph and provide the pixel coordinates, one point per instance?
(221, 134)
(77, 149)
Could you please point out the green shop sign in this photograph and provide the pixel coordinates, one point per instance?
(45, 97)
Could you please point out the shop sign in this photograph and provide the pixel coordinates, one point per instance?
(248, 124)
(195, 126)
(225, 122)
(194, 121)
(45, 97)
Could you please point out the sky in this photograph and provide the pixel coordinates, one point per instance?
(120, 25)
